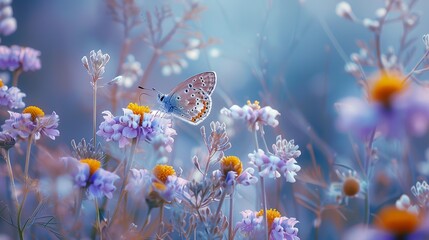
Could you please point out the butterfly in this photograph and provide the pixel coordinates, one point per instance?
(191, 100)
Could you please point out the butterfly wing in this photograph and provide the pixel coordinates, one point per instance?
(191, 99)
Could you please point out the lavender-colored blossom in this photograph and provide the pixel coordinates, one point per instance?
(123, 129)
(271, 166)
(408, 112)
(7, 21)
(345, 11)
(96, 185)
(251, 225)
(253, 115)
(22, 125)
(231, 179)
(102, 183)
(172, 189)
(96, 64)
(138, 182)
(11, 97)
(283, 228)
(131, 72)
(15, 57)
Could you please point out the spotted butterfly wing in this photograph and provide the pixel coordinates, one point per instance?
(192, 98)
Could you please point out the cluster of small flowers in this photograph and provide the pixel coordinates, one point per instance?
(280, 228)
(11, 97)
(421, 193)
(143, 125)
(131, 72)
(253, 114)
(282, 161)
(96, 64)
(17, 57)
(7, 21)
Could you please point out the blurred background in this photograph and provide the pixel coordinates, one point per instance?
(288, 54)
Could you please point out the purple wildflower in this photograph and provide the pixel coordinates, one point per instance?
(16, 57)
(394, 108)
(32, 121)
(11, 97)
(250, 225)
(145, 125)
(253, 114)
(88, 174)
(271, 166)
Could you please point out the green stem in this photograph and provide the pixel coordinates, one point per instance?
(27, 156)
(21, 206)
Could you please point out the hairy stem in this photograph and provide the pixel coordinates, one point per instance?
(219, 207)
(97, 214)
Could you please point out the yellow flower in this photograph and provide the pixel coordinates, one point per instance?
(386, 86)
(161, 172)
(398, 222)
(35, 112)
(231, 163)
(272, 213)
(93, 164)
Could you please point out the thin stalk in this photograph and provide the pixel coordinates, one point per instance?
(264, 198)
(127, 163)
(97, 213)
(27, 156)
(264, 206)
(147, 220)
(161, 219)
(12, 179)
(367, 207)
(231, 209)
(21, 206)
(222, 198)
(94, 112)
(15, 76)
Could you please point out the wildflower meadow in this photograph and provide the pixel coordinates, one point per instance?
(191, 119)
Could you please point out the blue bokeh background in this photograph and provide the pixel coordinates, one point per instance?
(275, 51)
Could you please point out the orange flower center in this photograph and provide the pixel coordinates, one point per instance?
(138, 110)
(1, 83)
(386, 87)
(231, 163)
(351, 187)
(161, 172)
(272, 213)
(35, 112)
(398, 222)
(93, 164)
